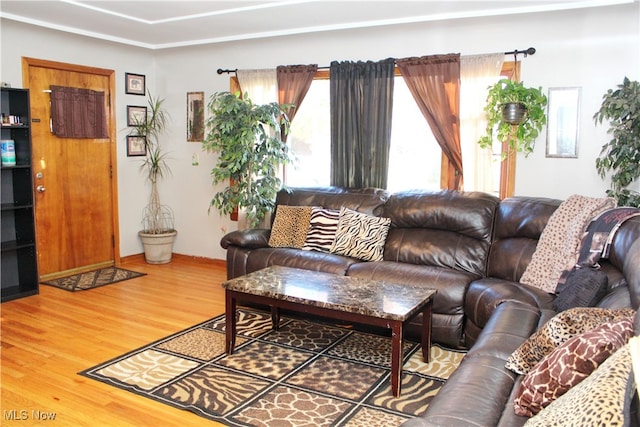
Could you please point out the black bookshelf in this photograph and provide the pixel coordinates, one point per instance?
(19, 274)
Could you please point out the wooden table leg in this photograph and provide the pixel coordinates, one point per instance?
(230, 322)
(275, 318)
(426, 331)
(396, 357)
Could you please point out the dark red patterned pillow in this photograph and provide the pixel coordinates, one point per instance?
(568, 364)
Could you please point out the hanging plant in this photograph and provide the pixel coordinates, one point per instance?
(515, 113)
(621, 155)
(247, 140)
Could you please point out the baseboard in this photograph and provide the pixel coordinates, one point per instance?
(191, 258)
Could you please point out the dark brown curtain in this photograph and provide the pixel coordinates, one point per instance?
(434, 82)
(293, 84)
(78, 113)
(361, 104)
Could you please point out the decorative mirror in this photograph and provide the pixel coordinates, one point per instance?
(562, 124)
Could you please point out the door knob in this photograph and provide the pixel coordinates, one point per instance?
(40, 189)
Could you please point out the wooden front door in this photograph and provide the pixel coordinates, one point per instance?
(75, 179)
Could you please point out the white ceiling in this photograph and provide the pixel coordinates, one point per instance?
(165, 24)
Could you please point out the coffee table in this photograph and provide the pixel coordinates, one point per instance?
(351, 299)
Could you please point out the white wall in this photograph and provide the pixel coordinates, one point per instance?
(593, 49)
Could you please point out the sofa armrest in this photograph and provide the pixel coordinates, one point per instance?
(252, 238)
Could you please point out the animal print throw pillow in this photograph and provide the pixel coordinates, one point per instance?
(570, 363)
(602, 399)
(360, 235)
(290, 226)
(323, 224)
(557, 330)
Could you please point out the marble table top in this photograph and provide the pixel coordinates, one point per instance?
(374, 298)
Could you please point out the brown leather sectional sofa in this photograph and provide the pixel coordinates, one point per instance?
(471, 247)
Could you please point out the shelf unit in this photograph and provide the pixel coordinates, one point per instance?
(19, 274)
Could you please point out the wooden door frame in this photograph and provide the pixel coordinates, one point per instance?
(110, 74)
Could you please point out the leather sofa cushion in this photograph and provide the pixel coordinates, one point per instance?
(625, 256)
(296, 258)
(484, 295)
(519, 222)
(449, 284)
(445, 229)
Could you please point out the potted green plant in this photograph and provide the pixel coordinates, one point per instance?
(247, 139)
(158, 233)
(621, 155)
(515, 113)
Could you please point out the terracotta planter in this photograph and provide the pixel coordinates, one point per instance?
(158, 248)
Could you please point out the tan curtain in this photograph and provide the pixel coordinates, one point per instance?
(434, 82)
(78, 113)
(477, 73)
(293, 84)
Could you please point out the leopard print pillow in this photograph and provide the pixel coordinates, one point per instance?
(570, 363)
(560, 328)
(599, 400)
(290, 226)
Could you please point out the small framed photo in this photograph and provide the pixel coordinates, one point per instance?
(136, 115)
(134, 84)
(136, 146)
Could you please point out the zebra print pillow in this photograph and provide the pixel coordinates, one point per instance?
(360, 235)
(322, 229)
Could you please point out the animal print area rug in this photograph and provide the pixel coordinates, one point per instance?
(305, 374)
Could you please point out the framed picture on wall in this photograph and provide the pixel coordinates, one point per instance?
(195, 116)
(136, 146)
(136, 115)
(134, 84)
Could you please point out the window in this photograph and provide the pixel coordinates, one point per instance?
(415, 156)
(310, 139)
(414, 159)
(411, 160)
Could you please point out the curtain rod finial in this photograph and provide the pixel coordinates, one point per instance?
(530, 51)
(220, 71)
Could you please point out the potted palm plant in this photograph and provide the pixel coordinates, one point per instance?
(621, 155)
(158, 233)
(247, 139)
(515, 113)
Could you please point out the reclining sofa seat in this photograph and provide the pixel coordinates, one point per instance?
(439, 240)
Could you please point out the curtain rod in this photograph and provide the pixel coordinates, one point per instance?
(515, 53)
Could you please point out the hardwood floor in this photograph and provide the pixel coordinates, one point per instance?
(47, 339)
